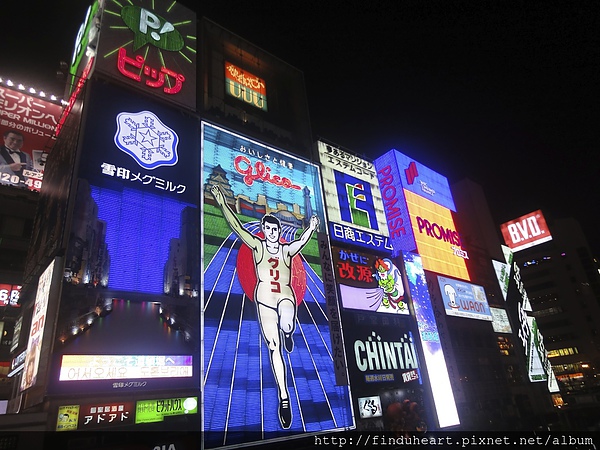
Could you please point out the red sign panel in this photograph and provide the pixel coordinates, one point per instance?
(27, 126)
(526, 231)
(9, 295)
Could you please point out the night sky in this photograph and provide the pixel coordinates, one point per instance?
(506, 93)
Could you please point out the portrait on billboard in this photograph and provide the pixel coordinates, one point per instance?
(27, 129)
(264, 308)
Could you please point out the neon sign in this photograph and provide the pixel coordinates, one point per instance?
(9, 295)
(153, 49)
(155, 78)
(123, 367)
(526, 231)
(245, 86)
(260, 171)
(437, 240)
(146, 139)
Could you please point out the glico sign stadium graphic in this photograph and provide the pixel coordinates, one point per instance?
(267, 350)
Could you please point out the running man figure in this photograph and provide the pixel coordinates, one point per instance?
(275, 300)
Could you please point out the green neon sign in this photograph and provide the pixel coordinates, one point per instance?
(150, 28)
(148, 411)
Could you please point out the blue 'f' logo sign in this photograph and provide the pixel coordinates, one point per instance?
(356, 200)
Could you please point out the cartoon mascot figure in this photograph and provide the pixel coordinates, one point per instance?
(389, 278)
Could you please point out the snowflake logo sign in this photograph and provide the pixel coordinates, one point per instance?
(146, 139)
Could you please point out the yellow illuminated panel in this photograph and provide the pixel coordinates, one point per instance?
(438, 242)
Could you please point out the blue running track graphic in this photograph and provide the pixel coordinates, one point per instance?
(240, 395)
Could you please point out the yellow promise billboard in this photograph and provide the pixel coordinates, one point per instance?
(438, 242)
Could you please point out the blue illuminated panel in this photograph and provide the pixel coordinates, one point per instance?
(439, 378)
(394, 204)
(420, 179)
(139, 226)
(354, 236)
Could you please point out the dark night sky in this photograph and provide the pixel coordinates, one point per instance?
(506, 93)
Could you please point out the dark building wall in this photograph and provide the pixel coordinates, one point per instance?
(491, 365)
(17, 214)
(284, 123)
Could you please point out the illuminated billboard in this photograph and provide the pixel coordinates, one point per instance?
(245, 86)
(502, 271)
(419, 179)
(382, 356)
(464, 299)
(385, 372)
(124, 367)
(435, 362)
(265, 314)
(27, 125)
(368, 282)
(500, 321)
(84, 50)
(354, 204)
(67, 418)
(438, 242)
(370, 407)
(9, 295)
(129, 312)
(151, 411)
(401, 233)
(532, 341)
(526, 231)
(151, 46)
(36, 332)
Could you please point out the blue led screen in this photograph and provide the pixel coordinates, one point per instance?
(421, 180)
(139, 227)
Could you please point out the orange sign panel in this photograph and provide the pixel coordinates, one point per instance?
(438, 242)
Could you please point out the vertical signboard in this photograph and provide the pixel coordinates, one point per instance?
(402, 237)
(27, 125)
(84, 49)
(443, 396)
(151, 46)
(268, 349)
(129, 317)
(385, 372)
(532, 341)
(38, 325)
(354, 204)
